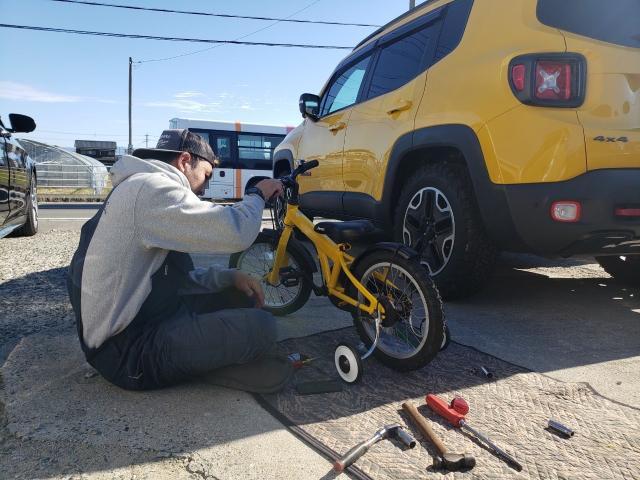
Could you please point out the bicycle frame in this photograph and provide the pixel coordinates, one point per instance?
(327, 250)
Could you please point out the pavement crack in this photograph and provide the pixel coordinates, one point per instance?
(196, 467)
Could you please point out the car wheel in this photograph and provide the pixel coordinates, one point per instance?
(625, 268)
(437, 216)
(30, 227)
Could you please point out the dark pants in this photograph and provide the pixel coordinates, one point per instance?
(205, 332)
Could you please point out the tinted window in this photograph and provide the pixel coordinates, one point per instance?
(256, 151)
(453, 27)
(222, 148)
(344, 90)
(15, 156)
(614, 21)
(402, 60)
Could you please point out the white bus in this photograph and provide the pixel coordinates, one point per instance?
(245, 150)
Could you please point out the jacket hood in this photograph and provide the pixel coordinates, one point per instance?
(129, 165)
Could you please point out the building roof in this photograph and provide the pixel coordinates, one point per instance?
(106, 145)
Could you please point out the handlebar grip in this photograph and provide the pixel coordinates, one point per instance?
(441, 408)
(307, 166)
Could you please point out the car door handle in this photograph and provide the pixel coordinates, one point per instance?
(403, 105)
(337, 126)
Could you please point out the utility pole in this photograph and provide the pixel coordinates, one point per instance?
(412, 4)
(146, 140)
(130, 149)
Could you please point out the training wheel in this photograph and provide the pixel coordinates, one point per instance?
(348, 363)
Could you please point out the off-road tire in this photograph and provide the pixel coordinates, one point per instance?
(301, 297)
(626, 270)
(473, 255)
(435, 333)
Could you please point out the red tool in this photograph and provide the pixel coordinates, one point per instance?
(454, 414)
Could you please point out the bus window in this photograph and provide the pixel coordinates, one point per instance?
(222, 148)
(255, 152)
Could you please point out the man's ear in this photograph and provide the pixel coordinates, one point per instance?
(181, 161)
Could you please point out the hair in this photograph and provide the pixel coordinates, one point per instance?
(170, 157)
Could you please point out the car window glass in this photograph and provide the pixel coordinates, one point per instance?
(344, 90)
(614, 22)
(3, 160)
(402, 60)
(15, 157)
(256, 151)
(453, 27)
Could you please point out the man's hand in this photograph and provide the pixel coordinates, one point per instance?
(249, 286)
(270, 188)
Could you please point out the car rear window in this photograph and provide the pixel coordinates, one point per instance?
(616, 21)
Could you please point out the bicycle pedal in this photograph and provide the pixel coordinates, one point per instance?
(290, 282)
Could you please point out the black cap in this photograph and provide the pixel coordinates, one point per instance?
(177, 141)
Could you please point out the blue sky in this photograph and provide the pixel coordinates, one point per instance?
(76, 86)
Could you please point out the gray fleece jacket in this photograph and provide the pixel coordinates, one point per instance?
(152, 211)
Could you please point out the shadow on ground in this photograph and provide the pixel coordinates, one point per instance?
(52, 401)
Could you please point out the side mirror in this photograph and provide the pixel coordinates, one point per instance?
(309, 106)
(21, 123)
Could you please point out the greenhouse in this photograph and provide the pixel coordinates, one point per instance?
(60, 169)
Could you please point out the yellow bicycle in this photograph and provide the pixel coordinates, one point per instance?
(395, 306)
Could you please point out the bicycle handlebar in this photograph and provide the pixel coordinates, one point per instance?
(302, 168)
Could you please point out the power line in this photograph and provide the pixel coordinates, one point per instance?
(222, 15)
(171, 39)
(239, 38)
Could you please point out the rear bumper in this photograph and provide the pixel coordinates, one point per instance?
(599, 230)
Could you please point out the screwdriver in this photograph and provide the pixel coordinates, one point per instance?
(454, 414)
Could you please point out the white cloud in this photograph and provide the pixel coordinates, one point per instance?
(17, 91)
(27, 93)
(189, 94)
(223, 102)
(183, 105)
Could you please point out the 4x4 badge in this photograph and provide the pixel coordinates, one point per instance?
(611, 139)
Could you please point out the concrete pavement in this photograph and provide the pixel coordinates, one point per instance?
(564, 318)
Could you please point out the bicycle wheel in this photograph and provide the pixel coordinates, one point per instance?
(257, 261)
(413, 330)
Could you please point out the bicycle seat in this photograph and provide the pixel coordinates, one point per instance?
(347, 232)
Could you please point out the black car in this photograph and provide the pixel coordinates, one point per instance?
(18, 198)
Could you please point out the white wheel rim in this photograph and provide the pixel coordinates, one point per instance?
(344, 351)
(417, 324)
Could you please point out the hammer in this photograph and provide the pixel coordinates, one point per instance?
(388, 431)
(451, 462)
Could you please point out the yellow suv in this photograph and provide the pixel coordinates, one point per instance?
(467, 127)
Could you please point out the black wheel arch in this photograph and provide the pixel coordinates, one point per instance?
(282, 160)
(455, 143)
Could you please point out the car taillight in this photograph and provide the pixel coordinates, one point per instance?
(549, 79)
(517, 76)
